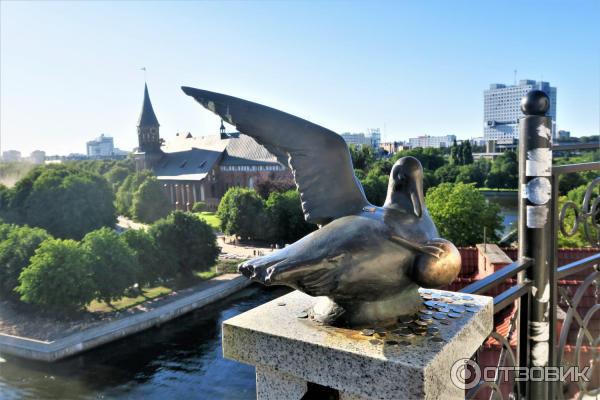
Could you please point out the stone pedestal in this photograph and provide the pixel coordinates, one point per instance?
(290, 350)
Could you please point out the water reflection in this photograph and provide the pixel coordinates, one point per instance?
(181, 359)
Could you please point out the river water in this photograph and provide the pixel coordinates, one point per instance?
(179, 360)
(508, 202)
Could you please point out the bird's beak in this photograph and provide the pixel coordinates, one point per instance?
(416, 196)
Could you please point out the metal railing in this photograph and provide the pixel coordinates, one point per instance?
(534, 277)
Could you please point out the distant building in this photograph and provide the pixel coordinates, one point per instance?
(432, 141)
(502, 108)
(564, 135)
(102, 146)
(478, 141)
(194, 169)
(11, 155)
(393, 147)
(375, 135)
(37, 157)
(357, 139)
(372, 138)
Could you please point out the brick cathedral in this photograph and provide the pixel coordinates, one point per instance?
(194, 169)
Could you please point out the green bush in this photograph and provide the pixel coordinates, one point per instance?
(16, 249)
(242, 213)
(187, 241)
(113, 264)
(461, 213)
(150, 202)
(199, 206)
(58, 277)
(579, 238)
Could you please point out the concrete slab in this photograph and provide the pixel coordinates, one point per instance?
(390, 365)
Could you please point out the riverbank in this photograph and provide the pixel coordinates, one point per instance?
(55, 339)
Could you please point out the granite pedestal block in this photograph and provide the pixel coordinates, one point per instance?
(288, 349)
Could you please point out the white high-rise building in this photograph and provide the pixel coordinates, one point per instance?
(372, 138)
(102, 146)
(502, 108)
(432, 141)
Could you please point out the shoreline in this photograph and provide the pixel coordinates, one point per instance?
(78, 342)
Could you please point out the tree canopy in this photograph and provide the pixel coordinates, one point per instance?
(188, 241)
(286, 219)
(150, 201)
(58, 277)
(16, 248)
(461, 213)
(127, 189)
(113, 264)
(504, 172)
(241, 212)
(66, 202)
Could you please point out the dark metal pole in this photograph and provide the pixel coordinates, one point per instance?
(535, 230)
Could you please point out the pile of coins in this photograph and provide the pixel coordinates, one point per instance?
(438, 309)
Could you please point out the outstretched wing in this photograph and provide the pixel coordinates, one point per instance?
(318, 157)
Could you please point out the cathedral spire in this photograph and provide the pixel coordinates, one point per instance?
(147, 116)
(224, 135)
(148, 127)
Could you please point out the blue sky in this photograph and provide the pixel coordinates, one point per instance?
(71, 70)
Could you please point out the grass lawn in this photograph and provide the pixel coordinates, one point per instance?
(158, 291)
(211, 219)
(127, 302)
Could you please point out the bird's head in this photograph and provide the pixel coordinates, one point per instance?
(405, 187)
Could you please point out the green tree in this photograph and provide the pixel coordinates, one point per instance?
(461, 213)
(153, 265)
(362, 156)
(579, 238)
(474, 173)
(504, 172)
(5, 230)
(186, 240)
(287, 223)
(429, 180)
(381, 167)
(430, 158)
(127, 189)
(242, 213)
(447, 173)
(466, 153)
(375, 187)
(150, 202)
(66, 202)
(455, 153)
(58, 277)
(116, 176)
(113, 264)
(16, 249)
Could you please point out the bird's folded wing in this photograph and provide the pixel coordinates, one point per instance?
(318, 157)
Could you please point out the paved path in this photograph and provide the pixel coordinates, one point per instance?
(241, 251)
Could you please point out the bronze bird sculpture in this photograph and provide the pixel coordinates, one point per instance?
(366, 262)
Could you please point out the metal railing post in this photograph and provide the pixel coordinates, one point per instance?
(535, 234)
